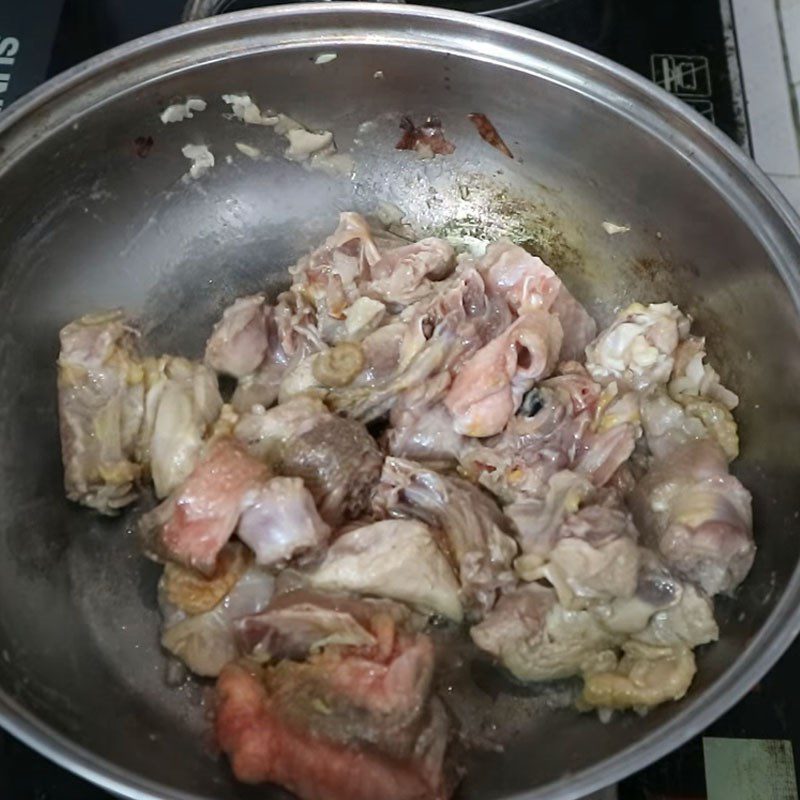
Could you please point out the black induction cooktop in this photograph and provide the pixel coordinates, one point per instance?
(686, 46)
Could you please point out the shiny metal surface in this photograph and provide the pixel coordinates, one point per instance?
(201, 9)
(87, 222)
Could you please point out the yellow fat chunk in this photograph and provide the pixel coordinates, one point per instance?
(645, 676)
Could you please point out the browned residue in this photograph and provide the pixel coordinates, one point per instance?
(427, 139)
(489, 133)
(142, 145)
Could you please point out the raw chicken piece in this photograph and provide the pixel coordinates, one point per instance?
(460, 309)
(537, 639)
(612, 436)
(330, 275)
(669, 424)
(300, 381)
(279, 521)
(539, 518)
(292, 337)
(477, 539)
(594, 557)
(367, 403)
(363, 609)
(196, 521)
(663, 611)
(406, 274)
(695, 406)
(232, 491)
(578, 325)
(343, 726)
(697, 516)
(638, 349)
(566, 423)
(381, 349)
(267, 433)
(603, 454)
(692, 377)
(399, 559)
(421, 426)
(181, 403)
(716, 419)
(295, 632)
(339, 462)
(300, 621)
(525, 281)
(573, 388)
(337, 459)
(258, 389)
(240, 341)
(551, 432)
(362, 318)
(100, 407)
(689, 622)
(431, 337)
(206, 642)
(489, 386)
(657, 591)
(262, 747)
(515, 472)
(376, 696)
(656, 620)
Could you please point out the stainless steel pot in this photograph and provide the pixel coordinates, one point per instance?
(200, 9)
(92, 214)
